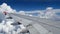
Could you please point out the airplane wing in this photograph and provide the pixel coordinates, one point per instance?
(41, 26)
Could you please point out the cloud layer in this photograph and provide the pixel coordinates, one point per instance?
(48, 13)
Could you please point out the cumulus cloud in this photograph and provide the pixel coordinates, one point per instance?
(51, 13)
(22, 12)
(6, 8)
(49, 8)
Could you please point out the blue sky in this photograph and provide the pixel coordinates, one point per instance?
(28, 5)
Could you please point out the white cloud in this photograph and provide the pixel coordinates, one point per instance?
(30, 15)
(49, 8)
(50, 13)
(22, 12)
(6, 8)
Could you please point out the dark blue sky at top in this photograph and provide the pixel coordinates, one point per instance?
(28, 5)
